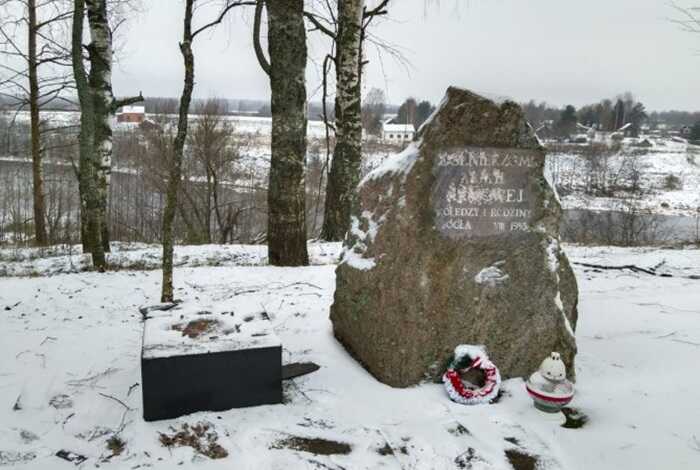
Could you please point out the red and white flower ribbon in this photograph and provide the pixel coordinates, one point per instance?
(476, 357)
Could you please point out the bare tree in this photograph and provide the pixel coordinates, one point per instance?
(286, 37)
(32, 75)
(215, 154)
(373, 109)
(175, 174)
(178, 148)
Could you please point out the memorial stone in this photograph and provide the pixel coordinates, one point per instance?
(456, 241)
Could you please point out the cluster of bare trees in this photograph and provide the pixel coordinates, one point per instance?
(33, 75)
(224, 188)
(18, 190)
(285, 64)
(599, 170)
(74, 41)
(223, 197)
(42, 43)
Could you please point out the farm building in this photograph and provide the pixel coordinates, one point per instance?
(132, 114)
(397, 132)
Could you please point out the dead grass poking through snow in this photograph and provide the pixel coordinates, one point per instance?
(196, 328)
(199, 437)
(115, 445)
(316, 446)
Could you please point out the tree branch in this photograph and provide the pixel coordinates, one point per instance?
(229, 6)
(311, 17)
(61, 17)
(376, 11)
(691, 20)
(116, 104)
(256, 38)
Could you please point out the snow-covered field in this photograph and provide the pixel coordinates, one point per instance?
(62, 259)
(69, 374)
(668, 176)
(665, 157)
(242, 124)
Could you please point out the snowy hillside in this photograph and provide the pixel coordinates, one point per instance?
(667, 175)
(70, 375)
(243, 124)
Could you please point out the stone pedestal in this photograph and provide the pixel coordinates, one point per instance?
(207, 362)
(456, 241)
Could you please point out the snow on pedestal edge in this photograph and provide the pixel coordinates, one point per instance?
(162, 340)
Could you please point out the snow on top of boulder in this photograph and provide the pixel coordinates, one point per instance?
(400, 163)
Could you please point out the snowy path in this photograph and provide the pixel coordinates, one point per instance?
(70, 346)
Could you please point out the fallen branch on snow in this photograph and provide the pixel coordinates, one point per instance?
(145, 310)
(630, 267)
(131, 389)
(634, 268)
(117, 400)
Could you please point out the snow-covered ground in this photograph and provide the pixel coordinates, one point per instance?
(62, 259)
(668, 176)
(69, 375)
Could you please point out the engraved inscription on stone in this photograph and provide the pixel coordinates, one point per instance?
(483, 192)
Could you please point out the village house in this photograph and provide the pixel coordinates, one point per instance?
(397, 133)
(132, 114)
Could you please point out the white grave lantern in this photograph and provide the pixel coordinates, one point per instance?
(548, 386)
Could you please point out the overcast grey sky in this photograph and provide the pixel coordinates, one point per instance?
(559, 51)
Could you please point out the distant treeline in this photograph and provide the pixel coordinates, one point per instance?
(603, 113)
(167, 105)
(409, 111)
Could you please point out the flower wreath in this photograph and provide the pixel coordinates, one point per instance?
(468, 357)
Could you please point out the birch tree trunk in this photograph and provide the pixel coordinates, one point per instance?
(347, 156)
(41, 238)
(100, 80)
(103, 109)
(89, 199)
(286, 233)
(178, 150)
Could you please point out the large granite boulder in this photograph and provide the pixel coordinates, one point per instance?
(456, 240)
